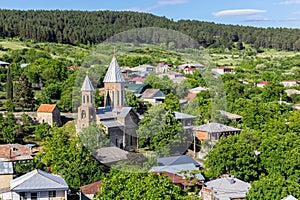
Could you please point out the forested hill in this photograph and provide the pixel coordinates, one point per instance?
(77, 27)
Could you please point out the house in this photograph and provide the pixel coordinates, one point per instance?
(290, 83)
(137, 80)
(289, 197)
(185, 119)
(197, 90)
(4, 64)
(262, 84)
(289, 92)
(162, 67)
(38, 185)
(178, 160)
(88, 192)
(49, 113)
(226, 188)
(119, 122)
(296, 106)
(176, 77)
(230, 116)
(180, 174)
(223, 70)
(153, 96)
(137, 89)
(9, 155)
(213, 131)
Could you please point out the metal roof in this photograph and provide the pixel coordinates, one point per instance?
(110, 154)
(228, 188)
(215, 128)
(179, 115)
(114, 74)
(177, 160)
(230, 115)
(290, 197)
(38, 180)
(87, 85)
(178, 169)
(151, 93)
(112, 123)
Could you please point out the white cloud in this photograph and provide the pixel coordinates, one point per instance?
(288, 2)
(171, 2)
(238, 12)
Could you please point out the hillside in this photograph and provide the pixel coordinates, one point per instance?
(84, 27)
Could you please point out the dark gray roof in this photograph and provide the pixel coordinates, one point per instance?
(112, 123)
(178, 169)
(38, 180)
(114, 73)
(179, 115)
(87, 85)
(228, 188)
(177, 160)
(215, 128)
(110, 155)
(6, 168)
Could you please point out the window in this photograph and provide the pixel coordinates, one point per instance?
(33, 196)
(52, 194)
(23, 196)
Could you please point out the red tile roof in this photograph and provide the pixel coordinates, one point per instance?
(176, 179)
(264, 82)
(47, 108)
(191, 96)
(12, 152)
(138, 79)
(92, 188)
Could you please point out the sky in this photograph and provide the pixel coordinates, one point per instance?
(259, 13)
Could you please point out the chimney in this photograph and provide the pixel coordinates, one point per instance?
(231, 180)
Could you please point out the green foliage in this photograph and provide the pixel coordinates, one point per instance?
(41, 131)
(9, 86)
(171, 103)
(24, 96)
(239, 160)
(66, 156)
(273, 187)
(139, 186)
(131, 99)
(93, 137)
(159, 129)
(134, 61)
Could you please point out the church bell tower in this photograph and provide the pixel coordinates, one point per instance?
(87, 111)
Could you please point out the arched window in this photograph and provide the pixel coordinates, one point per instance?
(83, 114)
(87, 99)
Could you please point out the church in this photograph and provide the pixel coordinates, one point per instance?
(119, 121)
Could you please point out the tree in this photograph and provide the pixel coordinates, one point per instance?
(9, 86)
(273, 187)
(139, 186)
(159, 130)
(23, 94)
(171, 102)
(239, 160)
(66, 156)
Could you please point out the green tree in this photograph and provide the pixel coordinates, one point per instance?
(139, 186)
(171, 102)
(23, 94)
(66, 156)
(9, 86)
(273, 187)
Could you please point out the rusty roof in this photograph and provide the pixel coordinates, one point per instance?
(92, 188)
(14, 152)
(46, 108)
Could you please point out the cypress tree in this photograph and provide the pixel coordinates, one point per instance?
(9, 85)
(24, 96)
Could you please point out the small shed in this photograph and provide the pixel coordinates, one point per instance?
(49, 113)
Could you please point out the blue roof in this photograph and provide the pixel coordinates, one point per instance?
(177, 160)
(38, 180)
